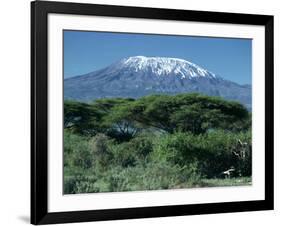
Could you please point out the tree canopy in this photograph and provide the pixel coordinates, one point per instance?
(125, 117)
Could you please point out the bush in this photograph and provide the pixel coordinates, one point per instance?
(83, 184)
(99, 149)
(155, 142)
(76, 151)
(151, 176)
(129, 153)
(178, 148)
(215, 151)
(228, 150)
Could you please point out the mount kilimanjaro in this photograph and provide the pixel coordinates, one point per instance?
(139, 76)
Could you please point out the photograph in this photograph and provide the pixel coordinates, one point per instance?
(152, 112)
(147, 112)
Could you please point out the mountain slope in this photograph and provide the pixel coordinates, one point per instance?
(138, 76)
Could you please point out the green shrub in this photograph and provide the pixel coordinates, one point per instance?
(151, 176)
(214, 151)
(155, 142)
(99, 150)
(127, 154)
(76, 151)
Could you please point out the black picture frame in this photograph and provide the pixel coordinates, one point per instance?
(39, 112)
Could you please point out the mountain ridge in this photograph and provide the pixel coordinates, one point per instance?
(138, 76)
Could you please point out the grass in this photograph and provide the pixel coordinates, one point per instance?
(227, 182)
(88, 184)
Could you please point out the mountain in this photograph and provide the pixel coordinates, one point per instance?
(139, 76)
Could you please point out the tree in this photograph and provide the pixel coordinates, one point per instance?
(195, 113)
(195, 118)
(120, 122)
(124, 118)
(81, 118)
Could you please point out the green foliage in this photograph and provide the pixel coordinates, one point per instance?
(99, 148)
(152, 176)
(216, 151)
(191, 112)
(155, 142)
(82, 118)
(76, 151)
(123, 119)
(129, 153)
(120, 121)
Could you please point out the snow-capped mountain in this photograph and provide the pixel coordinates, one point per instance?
(163, 66)
(139, 76)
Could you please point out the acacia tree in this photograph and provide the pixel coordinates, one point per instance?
(153, 111)
(124, 118)
(188, 112)
(118, 119)
(82, 118)
(204, 113)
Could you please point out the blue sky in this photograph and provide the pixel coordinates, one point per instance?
(86, 51)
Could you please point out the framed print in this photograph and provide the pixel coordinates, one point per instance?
(144, 112)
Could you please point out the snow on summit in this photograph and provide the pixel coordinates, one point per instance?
(165, 66)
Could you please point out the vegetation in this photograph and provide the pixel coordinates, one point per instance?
(155, 142)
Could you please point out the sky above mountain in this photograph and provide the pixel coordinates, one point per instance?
(86, 51)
